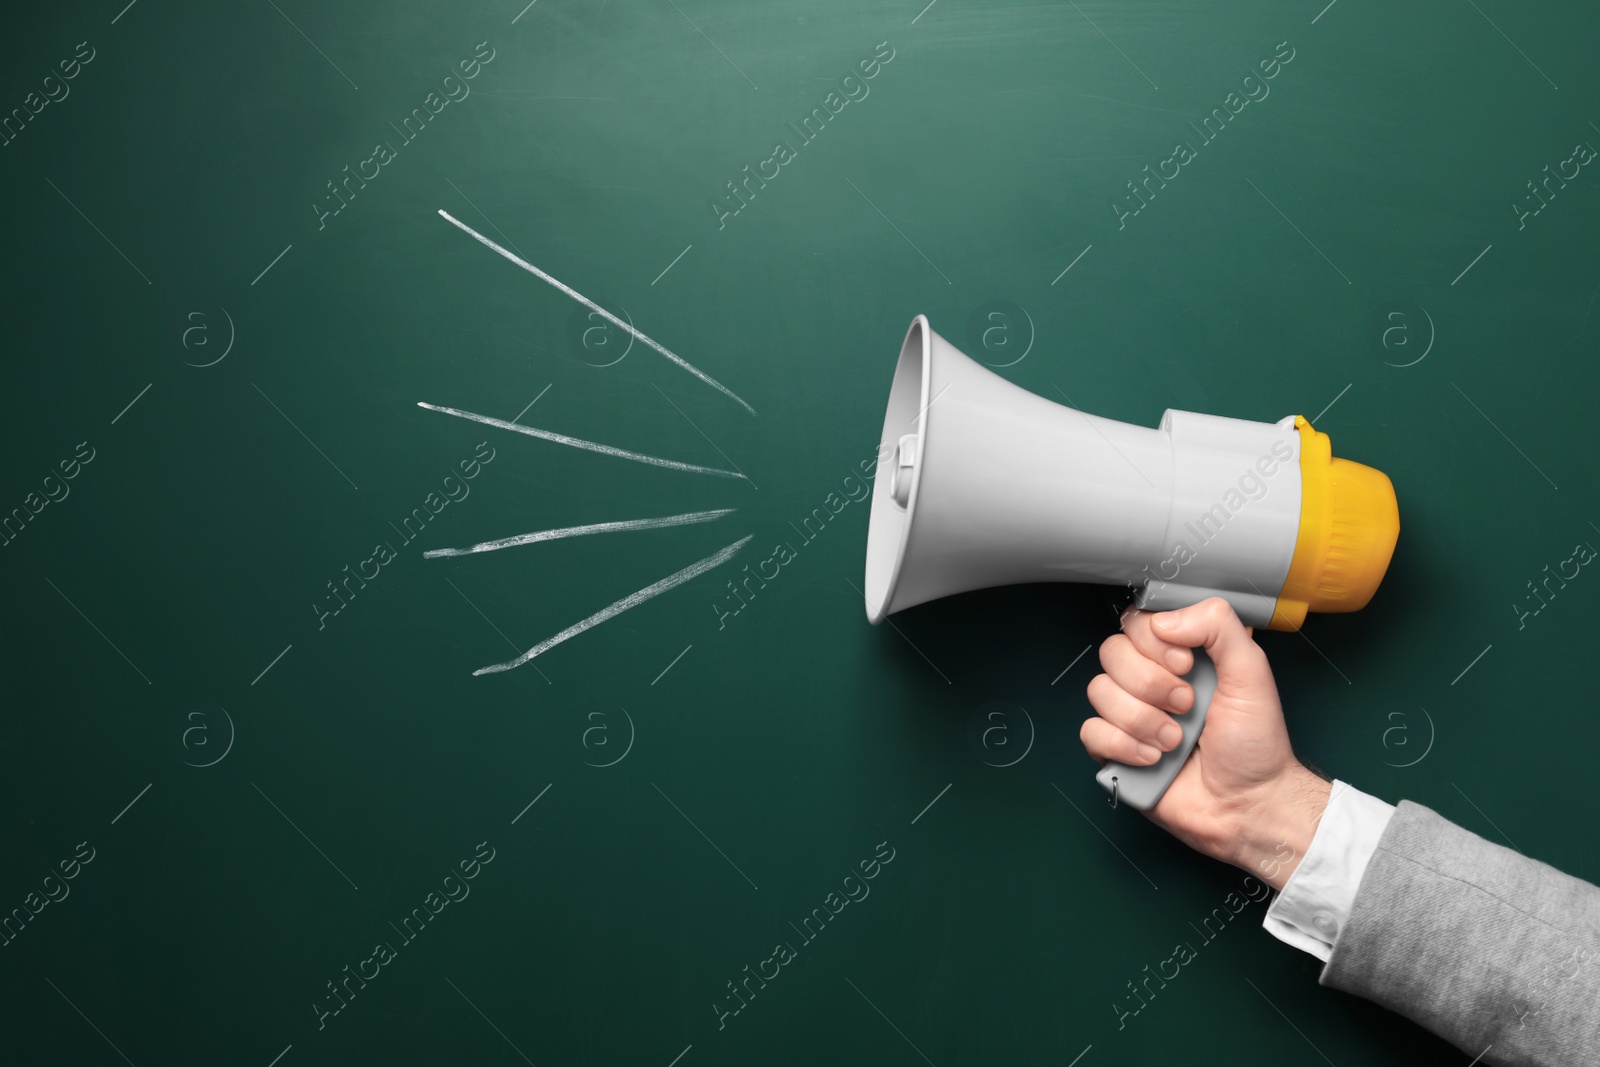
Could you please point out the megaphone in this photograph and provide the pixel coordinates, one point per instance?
(981, 483)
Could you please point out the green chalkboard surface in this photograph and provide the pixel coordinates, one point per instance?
(263, 804)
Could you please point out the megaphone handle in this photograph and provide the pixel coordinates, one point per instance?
(1142, 787)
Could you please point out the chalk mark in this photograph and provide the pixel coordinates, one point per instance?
(577, 442)
(586, 302)
(632, 600)
(702, 433)
(474, 206)
(495, 628)
(538, 536)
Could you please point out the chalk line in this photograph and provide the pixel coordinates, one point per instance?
(586, 302)
(581, 531)
(632, 600)
(577, 442)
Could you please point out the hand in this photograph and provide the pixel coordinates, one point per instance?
(1242, 797)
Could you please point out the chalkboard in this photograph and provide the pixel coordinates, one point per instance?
(263, 804)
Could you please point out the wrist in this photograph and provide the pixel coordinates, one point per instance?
(1275, 828)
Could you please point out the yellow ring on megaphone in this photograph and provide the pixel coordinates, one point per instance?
(1349, 522)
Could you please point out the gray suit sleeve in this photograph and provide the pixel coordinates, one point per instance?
(1483, 946)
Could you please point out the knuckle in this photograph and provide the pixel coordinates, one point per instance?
(1146, 677)
(1150, 723)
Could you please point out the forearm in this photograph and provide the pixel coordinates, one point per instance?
(1273, 829)
(1495, 952)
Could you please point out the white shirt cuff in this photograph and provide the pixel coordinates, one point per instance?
(1315, 903)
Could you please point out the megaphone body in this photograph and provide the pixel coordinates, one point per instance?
(981, 483)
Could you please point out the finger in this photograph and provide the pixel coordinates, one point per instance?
(1213, 624)
(1142, 676)
(1132, 716)
(1136, 624)
(1105, 742)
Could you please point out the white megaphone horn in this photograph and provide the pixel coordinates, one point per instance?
(982, 483)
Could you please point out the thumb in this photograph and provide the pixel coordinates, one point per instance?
(1213, 625)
